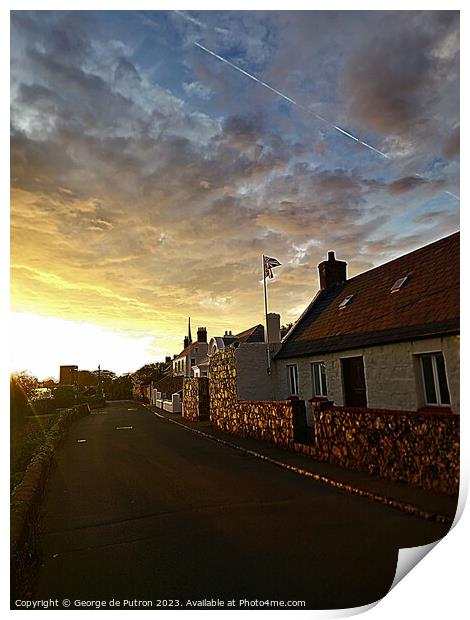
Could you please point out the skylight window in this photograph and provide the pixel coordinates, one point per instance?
(345, 301)
(398, 284)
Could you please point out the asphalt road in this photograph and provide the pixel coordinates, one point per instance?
(143, 509)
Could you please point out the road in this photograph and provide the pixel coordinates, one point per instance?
(139, 508)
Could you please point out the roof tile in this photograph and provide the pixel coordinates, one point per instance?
(428, 303)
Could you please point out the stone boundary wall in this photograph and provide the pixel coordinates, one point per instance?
(196, 398)
(258, 419)
(419, 449)
(27, 496)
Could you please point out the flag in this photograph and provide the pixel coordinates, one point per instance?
(269, 264)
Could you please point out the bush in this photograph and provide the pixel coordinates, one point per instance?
(43, 406)
(23, 443)
(64, 396)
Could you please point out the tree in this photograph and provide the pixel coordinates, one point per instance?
(19, 406)
(120, 388)
(50, 382)
(27, 382)
(150, 372)
(285, 329)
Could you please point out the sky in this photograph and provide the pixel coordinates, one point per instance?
(148, 176)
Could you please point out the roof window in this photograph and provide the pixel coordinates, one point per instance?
(347, 300)
(398, 284)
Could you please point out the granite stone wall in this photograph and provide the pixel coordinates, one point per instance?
(421, 449)
(259, 419)
(418, 448)
(196, 398)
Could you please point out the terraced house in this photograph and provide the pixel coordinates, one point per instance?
(385, 339)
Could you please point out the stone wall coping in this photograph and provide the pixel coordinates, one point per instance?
(269, 403)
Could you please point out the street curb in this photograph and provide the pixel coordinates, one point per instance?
(409, 509)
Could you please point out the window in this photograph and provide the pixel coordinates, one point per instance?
(319, 379)
(293, 379)
(433, 373)
(398, 284)
(193, 361)
(347, 300)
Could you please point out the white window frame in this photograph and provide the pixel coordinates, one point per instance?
(435, 375)
(295, 377)
(321, 377)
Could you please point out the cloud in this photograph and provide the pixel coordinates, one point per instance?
(452, 146)
(406, 184)
(396, 82)
(142, 194)
(197, 89)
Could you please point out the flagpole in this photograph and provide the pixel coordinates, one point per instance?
(268, 356)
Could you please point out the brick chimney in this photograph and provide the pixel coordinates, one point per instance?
(332, 271)
(201, 334)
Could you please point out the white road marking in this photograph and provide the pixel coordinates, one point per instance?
(123, 428)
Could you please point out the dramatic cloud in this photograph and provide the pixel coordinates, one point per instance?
(148, 178)
(452, 146)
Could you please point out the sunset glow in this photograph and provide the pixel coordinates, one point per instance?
(148, 177)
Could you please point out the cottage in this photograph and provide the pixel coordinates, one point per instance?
(385, 339)
(192, 353)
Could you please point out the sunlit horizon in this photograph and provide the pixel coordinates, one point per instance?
(40, 345)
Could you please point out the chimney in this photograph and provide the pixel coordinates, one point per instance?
(274, 327)
(167, 359)
(186, 342)
(332, 271)
(201, 334)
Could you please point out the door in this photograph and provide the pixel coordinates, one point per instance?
(354, 382)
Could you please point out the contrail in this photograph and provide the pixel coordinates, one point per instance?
(305, 109)
(195, 21)
(277, 92)
(252, 77)
(188, 18)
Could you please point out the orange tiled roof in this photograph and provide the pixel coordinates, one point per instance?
(187, 350)
(427, 304)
